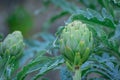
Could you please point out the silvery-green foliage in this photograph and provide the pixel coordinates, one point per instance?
(106, 65)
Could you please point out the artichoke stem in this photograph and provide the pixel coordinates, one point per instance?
(77, 75)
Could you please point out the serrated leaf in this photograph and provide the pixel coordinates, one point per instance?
(93, 4)
(105, 14)
(44, 64)
(105, 66)
(99, 71)
(117, 33)
(116, 2)
(40, 41)
(92, 17)
(107, 5)
(51, 65)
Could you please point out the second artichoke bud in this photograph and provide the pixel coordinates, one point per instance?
(76, 43)
(13, 43)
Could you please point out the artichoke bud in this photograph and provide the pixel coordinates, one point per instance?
(76, 42)
(13, 43)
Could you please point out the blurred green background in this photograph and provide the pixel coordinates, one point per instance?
(29, 16)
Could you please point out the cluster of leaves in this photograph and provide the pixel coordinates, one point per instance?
(101, 17)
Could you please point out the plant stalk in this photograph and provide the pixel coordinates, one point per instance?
(77, 75)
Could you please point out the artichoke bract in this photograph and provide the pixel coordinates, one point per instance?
(13, 43)
(75, 43)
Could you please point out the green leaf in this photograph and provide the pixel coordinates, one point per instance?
(117, 32)
(92, 17)
(43, 64)
(105, 65)
(93, 4)
(40, 41)
(105, 14)
(108, 6)
(52, 64)
(116, 2)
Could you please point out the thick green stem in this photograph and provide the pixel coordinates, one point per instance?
(77, 75)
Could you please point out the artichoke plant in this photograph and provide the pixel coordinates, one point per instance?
(13, 44)
(76, 43)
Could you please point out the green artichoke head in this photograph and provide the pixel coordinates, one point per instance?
(13, 43)
(76, 43)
